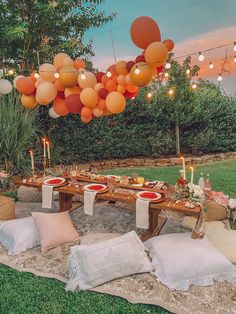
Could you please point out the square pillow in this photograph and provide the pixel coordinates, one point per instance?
(55, 229)
(95, 264)
(19, 235)
(180, 261)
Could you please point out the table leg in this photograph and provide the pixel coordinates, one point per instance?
(65, 201)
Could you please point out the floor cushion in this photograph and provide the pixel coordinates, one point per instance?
(19, 235)
(55, 229)
(7, 208)
(214, 211)
(92, 265)
(180, 261)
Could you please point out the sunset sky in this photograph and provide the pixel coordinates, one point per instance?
(194, 25)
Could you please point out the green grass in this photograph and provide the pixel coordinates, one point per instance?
(23, 293)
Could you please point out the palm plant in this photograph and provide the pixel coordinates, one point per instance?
(18, 132)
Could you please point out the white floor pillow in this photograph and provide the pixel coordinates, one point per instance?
(19, 235)
(180, 261)
(92, 265)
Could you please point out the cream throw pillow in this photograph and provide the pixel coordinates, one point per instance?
(55, 229)
(95, 264)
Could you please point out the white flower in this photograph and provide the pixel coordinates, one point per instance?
(232, 203)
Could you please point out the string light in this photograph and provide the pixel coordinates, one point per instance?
(133, 98)
(234, 58)
(109, 74)
(219, 78)
(137, 71)
(168, 65)
(194, 86)
(166, 74)
(36, 75)
(171, 92)
(200, 56)
(10, 72)
(149, 95)
(82, 76)
(56, 75)
(188, 71)
(235, 46)
(211, 66)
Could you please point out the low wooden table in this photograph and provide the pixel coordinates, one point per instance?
(156, 221)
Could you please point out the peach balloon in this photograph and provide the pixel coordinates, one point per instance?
(79, 64)
(45, 93)
(121, 89)
(39, 81)
(24, 85)
(89, 97)
(85, 119)
(121, 67)
(60, 107)
(98, 86)
(67, 61)
(156, 53)
(111, 86)
(68, 76)
(86, 112)
(121, 79)
(131, 88)
(102, 104)
(58, 85)
(72, 90)
(87, 79)
(128, 79)
(47, 72)
(115, 102)
(28, 101)
(144, 76)
(57, 61)
(97, 112)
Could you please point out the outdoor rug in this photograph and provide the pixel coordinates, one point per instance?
(108, 222)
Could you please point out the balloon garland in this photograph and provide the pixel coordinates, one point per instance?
(73, 89)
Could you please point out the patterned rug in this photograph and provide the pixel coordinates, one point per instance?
(106, 223)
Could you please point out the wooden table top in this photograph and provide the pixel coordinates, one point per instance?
(121, 194)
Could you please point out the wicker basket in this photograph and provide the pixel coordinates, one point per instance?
(7, 208)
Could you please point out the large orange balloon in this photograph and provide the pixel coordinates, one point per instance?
(144, 76)
(73, 103)
(156, 53)
(131, 88)
(68, 76)
(59, 106)
(121, 79)
(79, 64)
(45, 93)
(87, 79)
(144, 30)
(72, 90)
(111, 85)
(121, 67)
(58, 85)
(57, 61)
(86, 112)
(25, 85)
(89, 97)
(28, 101)
(47, 72)
(115, 102)
(112, 70)
(169, 44)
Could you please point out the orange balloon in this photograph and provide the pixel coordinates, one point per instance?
(39, 81)
(59, 107)
(107, 112)
(47, 72)
(115, 102)
(86, 112)
(97, 112)
(101, 104)
(121, 67)
(57, 61)
(28, 101)
(169, 44)
(121, 79)
(128, 79)
(58, 85)
(87, 79)
(45, 93)
(89, 97)
(144, 76)
(121, 89)
(144, 30)
(131, 88)
(156, 54)
(112, 69)
(67, 61)
(68, 76)
(104, 79)
(85, 119)
(98, 86)
(24, 85)
(79, 64)
(111, 86)
(72, 90)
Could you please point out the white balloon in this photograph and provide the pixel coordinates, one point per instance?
(16, 79)
(5, 87)
(53, 114)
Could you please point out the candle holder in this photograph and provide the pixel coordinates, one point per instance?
(33, 175)
(190, 204)
(44, 160)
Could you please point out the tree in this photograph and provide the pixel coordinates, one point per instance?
(32, 32)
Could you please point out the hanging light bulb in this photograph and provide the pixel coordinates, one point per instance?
(234, 58)
(137, 71)
(166, 74)
(168, 65)
(56, 75)
(36, 75)
(188, 71)
(219, 78)
(149, 95)
(10, 72)
(133, 98)
(211, 66)
(194, 86)
(235, 46)
(82, 76)
(200, 56)
(109, 74)
(171, 92)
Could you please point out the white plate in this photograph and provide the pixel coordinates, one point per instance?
(52, 182)
(154, 199)
(88, 187)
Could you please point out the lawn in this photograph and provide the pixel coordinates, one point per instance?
(23, 293)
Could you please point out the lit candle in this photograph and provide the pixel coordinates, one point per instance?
(32, 160)
(184, 170)
(48, 149)
(44, 147)
(191, 182)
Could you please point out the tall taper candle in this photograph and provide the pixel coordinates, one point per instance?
(191, 182)
(44, 147)
(32, 160)
(184, 170)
